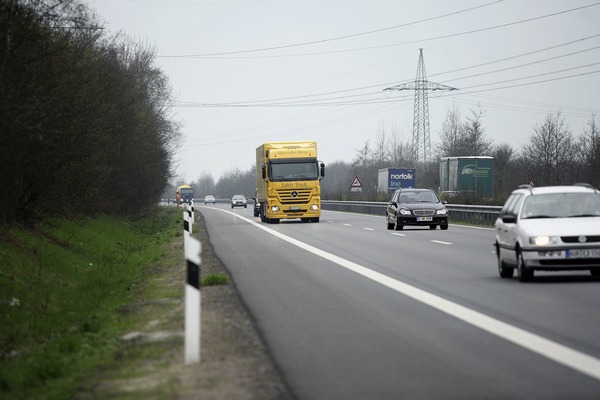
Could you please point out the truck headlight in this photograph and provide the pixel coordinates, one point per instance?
(314, 208)
(274, 209)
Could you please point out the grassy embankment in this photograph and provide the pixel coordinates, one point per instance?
(63, 290)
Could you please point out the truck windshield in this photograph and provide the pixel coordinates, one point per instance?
(293, 171)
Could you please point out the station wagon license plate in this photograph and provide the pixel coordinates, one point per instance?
(421, 219)
(583, 253)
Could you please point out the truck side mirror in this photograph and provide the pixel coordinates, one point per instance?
(322, 165)
(264, 171)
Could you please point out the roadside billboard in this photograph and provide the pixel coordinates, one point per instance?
(390, 179)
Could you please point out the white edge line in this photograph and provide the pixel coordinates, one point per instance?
(557, 352)
(441, 242)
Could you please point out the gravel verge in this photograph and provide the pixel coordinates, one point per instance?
(235, 362)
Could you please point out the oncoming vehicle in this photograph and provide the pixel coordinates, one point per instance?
(416, 207)
(185, 193)
(209, 199)
(550, 228)
(239, 200)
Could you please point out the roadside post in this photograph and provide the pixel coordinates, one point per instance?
(193, 299)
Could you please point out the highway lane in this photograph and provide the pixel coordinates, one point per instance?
(339, 335)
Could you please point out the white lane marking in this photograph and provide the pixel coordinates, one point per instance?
(347, 225)
(440, 242)
(555, 351)
(398, 234)
(368, 229)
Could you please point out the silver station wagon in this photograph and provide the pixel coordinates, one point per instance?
(552, 228)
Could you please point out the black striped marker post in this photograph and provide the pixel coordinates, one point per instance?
(188, 218)
(193, 300)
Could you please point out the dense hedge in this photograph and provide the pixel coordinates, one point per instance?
(84, 118)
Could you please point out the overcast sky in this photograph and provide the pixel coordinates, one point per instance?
(245, 72)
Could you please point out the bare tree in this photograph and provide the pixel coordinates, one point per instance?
(450, 144)
(399, 151)
(473, 140)
(589, 145)
(550, 151)
(380, 151)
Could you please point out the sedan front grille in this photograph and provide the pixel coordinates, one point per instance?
(424, 213)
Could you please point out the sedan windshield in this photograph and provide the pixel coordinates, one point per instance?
(562, 205)
(418, 197)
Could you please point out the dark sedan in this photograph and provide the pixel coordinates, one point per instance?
(416, 207)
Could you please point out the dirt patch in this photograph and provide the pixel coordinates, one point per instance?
(235, 363)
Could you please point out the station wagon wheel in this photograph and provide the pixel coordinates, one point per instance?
(524, 274)
(503, 270)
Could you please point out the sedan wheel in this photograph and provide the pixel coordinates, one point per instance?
(390, 225)
(398, 226)
(524, 274)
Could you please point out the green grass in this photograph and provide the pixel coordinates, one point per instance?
(214, 280)
(61, 288)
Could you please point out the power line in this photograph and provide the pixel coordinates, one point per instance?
(219, 55)
(339, 37)
(315, 103)
(378, 86)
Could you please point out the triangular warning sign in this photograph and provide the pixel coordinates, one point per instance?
(356, 183)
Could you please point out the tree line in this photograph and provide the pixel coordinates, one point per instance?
(84, 117)
(553, 155)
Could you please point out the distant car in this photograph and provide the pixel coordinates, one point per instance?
(550, 228)
(239, 200)
(209, 199)
(416, 207)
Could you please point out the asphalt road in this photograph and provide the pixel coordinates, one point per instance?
(351, 310)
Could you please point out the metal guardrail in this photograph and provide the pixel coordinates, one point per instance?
(469, 214)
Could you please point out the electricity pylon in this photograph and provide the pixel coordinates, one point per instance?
(421, 145)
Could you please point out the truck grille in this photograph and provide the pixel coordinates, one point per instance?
(294, 196)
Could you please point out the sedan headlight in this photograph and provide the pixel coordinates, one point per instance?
(404, 211)
(543, 240)
(442, 211)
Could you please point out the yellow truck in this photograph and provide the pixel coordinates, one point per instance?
(288, 181)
